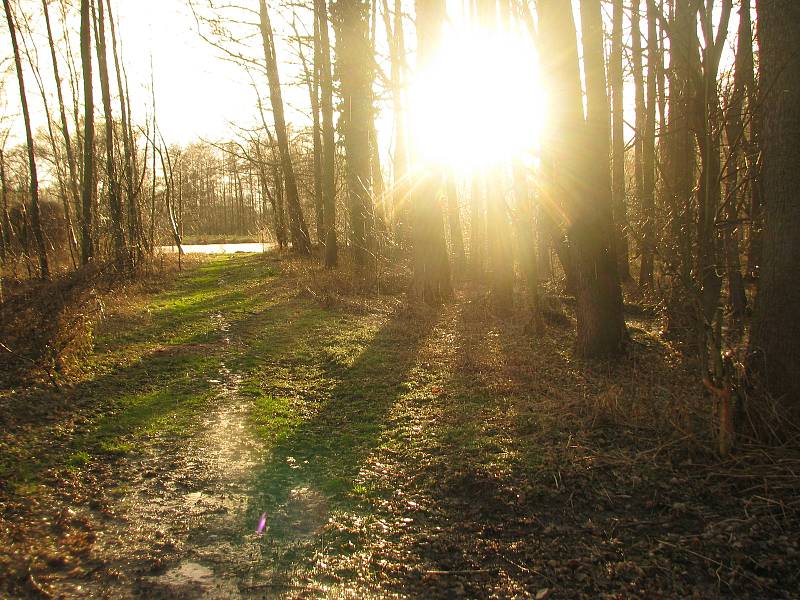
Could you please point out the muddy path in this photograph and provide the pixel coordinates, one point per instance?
(394, 451)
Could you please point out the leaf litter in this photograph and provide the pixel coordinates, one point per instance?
(425, 453)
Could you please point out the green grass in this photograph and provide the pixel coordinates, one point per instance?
(152, 367)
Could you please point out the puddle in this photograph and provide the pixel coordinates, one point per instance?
(192, 580)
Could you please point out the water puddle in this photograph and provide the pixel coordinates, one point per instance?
(191, 580)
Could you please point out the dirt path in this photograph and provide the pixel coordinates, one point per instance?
(396, 452)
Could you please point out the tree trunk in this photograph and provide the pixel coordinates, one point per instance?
(114, 200)
(71, 165)
(649, 153)
(135, 243)
(735, 133)
(297, 226)
(328, 141)
(601, 326)
(477, 230)
(88, 177)
(775, 335)
(312, 83)
(498, 240)
(618, 142)
(638, 85)
(526, 238)
(431, 282)
(454, 221)
(581, 157)
(396, 41)
(36, 224)
(354, 66)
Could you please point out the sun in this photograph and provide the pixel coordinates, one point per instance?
(480, 101)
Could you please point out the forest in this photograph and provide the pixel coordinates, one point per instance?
(394, 299)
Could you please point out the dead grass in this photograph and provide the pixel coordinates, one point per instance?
(46, 327)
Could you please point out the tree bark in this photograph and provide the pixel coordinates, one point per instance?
(71, 164)
(454, 221)
(582, 174)
(618, 141)
(735, 133)
(775, 336)
(328, 141)
(88, 177)
(354, 62)
(649, 153)
(135, 242)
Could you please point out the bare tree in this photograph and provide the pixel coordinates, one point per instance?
(35, 212)
(297, 225)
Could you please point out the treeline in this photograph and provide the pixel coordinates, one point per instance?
(696, 211)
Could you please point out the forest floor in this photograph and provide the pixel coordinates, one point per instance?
(396, 451)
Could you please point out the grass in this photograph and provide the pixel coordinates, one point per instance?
(431, 440)
(153, 365)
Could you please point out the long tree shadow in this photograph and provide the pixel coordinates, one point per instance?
(532, 478)
(312, 468)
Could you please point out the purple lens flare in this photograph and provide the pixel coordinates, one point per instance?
(262, 523)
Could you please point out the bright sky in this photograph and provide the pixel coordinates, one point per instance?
(196, 92)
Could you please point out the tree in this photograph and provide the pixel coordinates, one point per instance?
(135, 241)
(775, 336)
(71, 164)
(35, 212)
(88, 179)
(431, 282)
(618, 138)
(114, 199)
(580, 154)
(297, 224)
(354, 67)
(328, 141)
(649, 152)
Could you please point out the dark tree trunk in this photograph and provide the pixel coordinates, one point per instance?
(88, 178)
(649, 153)
(135, 242)
(454, 222)
(775, 335)
(581, 158)
(328, 142)
(601, 326)
(618, 142)
(526, 238)
(735, 133)
(354, 67)
(399, 214)
(477, 232)
(71, 165)
(498, 238)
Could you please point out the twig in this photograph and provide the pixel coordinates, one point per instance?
(460, 572)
